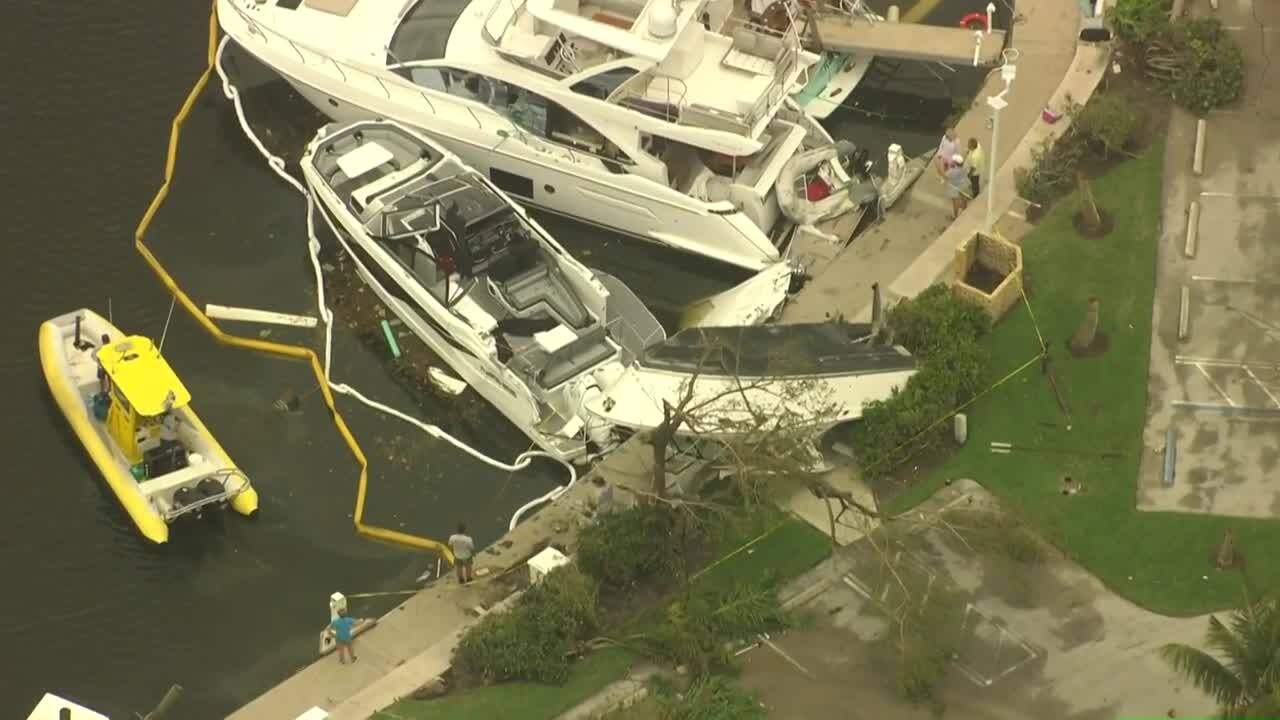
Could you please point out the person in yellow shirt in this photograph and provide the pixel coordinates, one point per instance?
(975, 162)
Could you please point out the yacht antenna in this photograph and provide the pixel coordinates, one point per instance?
(165, 332)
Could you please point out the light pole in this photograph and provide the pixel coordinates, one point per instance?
(997, 103)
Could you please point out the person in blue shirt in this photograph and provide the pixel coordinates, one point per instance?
(342, 627)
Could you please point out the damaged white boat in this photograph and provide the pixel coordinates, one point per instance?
(808, 378)
(486, 287)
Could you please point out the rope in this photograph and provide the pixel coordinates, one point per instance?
(277, 165)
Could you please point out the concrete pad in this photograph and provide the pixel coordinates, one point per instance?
(1224, 463)
(1043, 640)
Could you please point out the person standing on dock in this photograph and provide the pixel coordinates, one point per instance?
(343, 627)
(957, 188)
(464, 549)
(947, 149)
(976, 161)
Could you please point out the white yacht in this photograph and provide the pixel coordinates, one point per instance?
(488, 290)
(669, 120)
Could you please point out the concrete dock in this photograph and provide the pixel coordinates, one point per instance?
(914, 245)
(908, 41)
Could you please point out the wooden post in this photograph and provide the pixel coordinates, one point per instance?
(1088, 330)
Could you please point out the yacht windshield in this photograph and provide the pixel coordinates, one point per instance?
(424, 31)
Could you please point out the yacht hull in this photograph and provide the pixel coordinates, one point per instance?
(547, 178)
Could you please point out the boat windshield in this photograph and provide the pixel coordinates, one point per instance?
(424, 31)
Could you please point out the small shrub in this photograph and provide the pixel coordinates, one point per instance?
(927, 324)
(710, 698)
(941, 330)
(1052, 171)
(624, 547)
(534, 640)
(1211, 66)
(1139, 21)
(1107, 122)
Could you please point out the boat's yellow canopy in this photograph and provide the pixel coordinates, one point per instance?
(143, 377)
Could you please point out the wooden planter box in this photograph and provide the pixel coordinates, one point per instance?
(988, 270)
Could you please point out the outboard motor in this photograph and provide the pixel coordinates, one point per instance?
(186, 496)
(211, 487)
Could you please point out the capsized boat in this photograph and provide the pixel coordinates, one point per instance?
(810, 376)
(133, 416)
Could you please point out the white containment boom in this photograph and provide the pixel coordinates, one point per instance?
(223, 312)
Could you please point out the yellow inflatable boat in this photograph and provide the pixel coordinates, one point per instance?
(133, 415)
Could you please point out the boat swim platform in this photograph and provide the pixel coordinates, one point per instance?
(906, 41)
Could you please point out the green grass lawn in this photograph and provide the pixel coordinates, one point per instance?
(779, 543)
(1158, 560)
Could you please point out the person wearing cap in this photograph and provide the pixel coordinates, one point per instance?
(957, 185)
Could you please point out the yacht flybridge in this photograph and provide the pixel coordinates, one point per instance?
(670, 120)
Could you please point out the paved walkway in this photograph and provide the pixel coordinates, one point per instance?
(415, 642)
(915, 244)
(1224, 463)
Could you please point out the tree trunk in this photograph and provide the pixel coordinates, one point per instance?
(660, 438)
(1227, 551)
(1088, 330)
(1092, 218)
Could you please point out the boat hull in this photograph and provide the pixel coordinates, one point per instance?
(541, 178)
(61, 372)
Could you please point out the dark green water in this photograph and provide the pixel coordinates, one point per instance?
(230, 606)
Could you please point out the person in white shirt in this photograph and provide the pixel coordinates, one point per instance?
(957, 185)
(464, 549)
(946, 151)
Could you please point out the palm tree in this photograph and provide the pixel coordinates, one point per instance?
(1246, 680)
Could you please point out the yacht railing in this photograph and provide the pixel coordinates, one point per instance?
(505, 12)
(635, 92)
(393, 87)
(224, 477)
(405, 92)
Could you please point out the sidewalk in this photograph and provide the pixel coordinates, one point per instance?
(914, 245)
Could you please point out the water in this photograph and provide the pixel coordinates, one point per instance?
(230, 606)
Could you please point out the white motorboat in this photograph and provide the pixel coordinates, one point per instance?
(465, 268)
(669, 120)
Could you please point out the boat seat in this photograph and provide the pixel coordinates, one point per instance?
(538, 285)
(589, 350)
